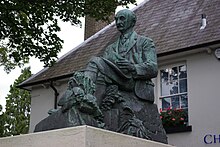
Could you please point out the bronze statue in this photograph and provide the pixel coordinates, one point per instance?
(115, 91)
(130, 62)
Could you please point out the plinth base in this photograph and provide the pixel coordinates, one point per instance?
(82, 136)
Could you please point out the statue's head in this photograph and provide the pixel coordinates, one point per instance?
(125, 20)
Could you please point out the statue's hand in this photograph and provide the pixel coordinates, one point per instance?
(126, 65)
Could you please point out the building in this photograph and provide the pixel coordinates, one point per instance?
(187, 38)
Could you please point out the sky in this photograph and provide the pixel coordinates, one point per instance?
(72, 36)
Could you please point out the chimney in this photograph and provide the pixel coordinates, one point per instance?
(92, 26)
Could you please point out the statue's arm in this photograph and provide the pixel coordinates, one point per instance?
(147, 68)
(111, 54)
(107, 53)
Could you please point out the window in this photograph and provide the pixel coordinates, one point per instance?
(173, 87)
(174, 98)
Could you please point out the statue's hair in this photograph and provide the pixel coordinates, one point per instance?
(130, 13)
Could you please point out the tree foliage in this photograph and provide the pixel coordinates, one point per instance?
(15, 119)
(1, 122)
(28, 27)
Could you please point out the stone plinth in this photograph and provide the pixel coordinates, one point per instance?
(82, 136)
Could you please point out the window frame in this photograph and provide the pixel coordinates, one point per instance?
(160, 96)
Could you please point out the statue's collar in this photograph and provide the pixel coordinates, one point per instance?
(127, 35)
(132, 40)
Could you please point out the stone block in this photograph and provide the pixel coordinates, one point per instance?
(81, 136)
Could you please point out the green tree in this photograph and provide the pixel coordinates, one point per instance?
(2, 122)
(28, 27)
(17, 113)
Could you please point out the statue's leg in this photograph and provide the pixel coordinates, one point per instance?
(92, 70)
(100, 88)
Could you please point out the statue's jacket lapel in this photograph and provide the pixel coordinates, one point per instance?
(132, 41)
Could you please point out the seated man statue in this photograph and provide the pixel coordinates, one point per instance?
(115, 91)
(130, 62)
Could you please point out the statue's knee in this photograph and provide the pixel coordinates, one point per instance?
(94, 59)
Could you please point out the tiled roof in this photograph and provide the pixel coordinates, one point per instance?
(174, 25)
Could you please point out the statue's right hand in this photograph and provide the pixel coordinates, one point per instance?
(125, 65)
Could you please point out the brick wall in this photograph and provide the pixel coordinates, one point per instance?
(92, 26)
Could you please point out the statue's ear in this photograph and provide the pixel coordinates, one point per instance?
(133, 23)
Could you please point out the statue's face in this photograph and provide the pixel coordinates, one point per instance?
(124, 21)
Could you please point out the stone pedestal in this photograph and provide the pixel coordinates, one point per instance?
(82, 136)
